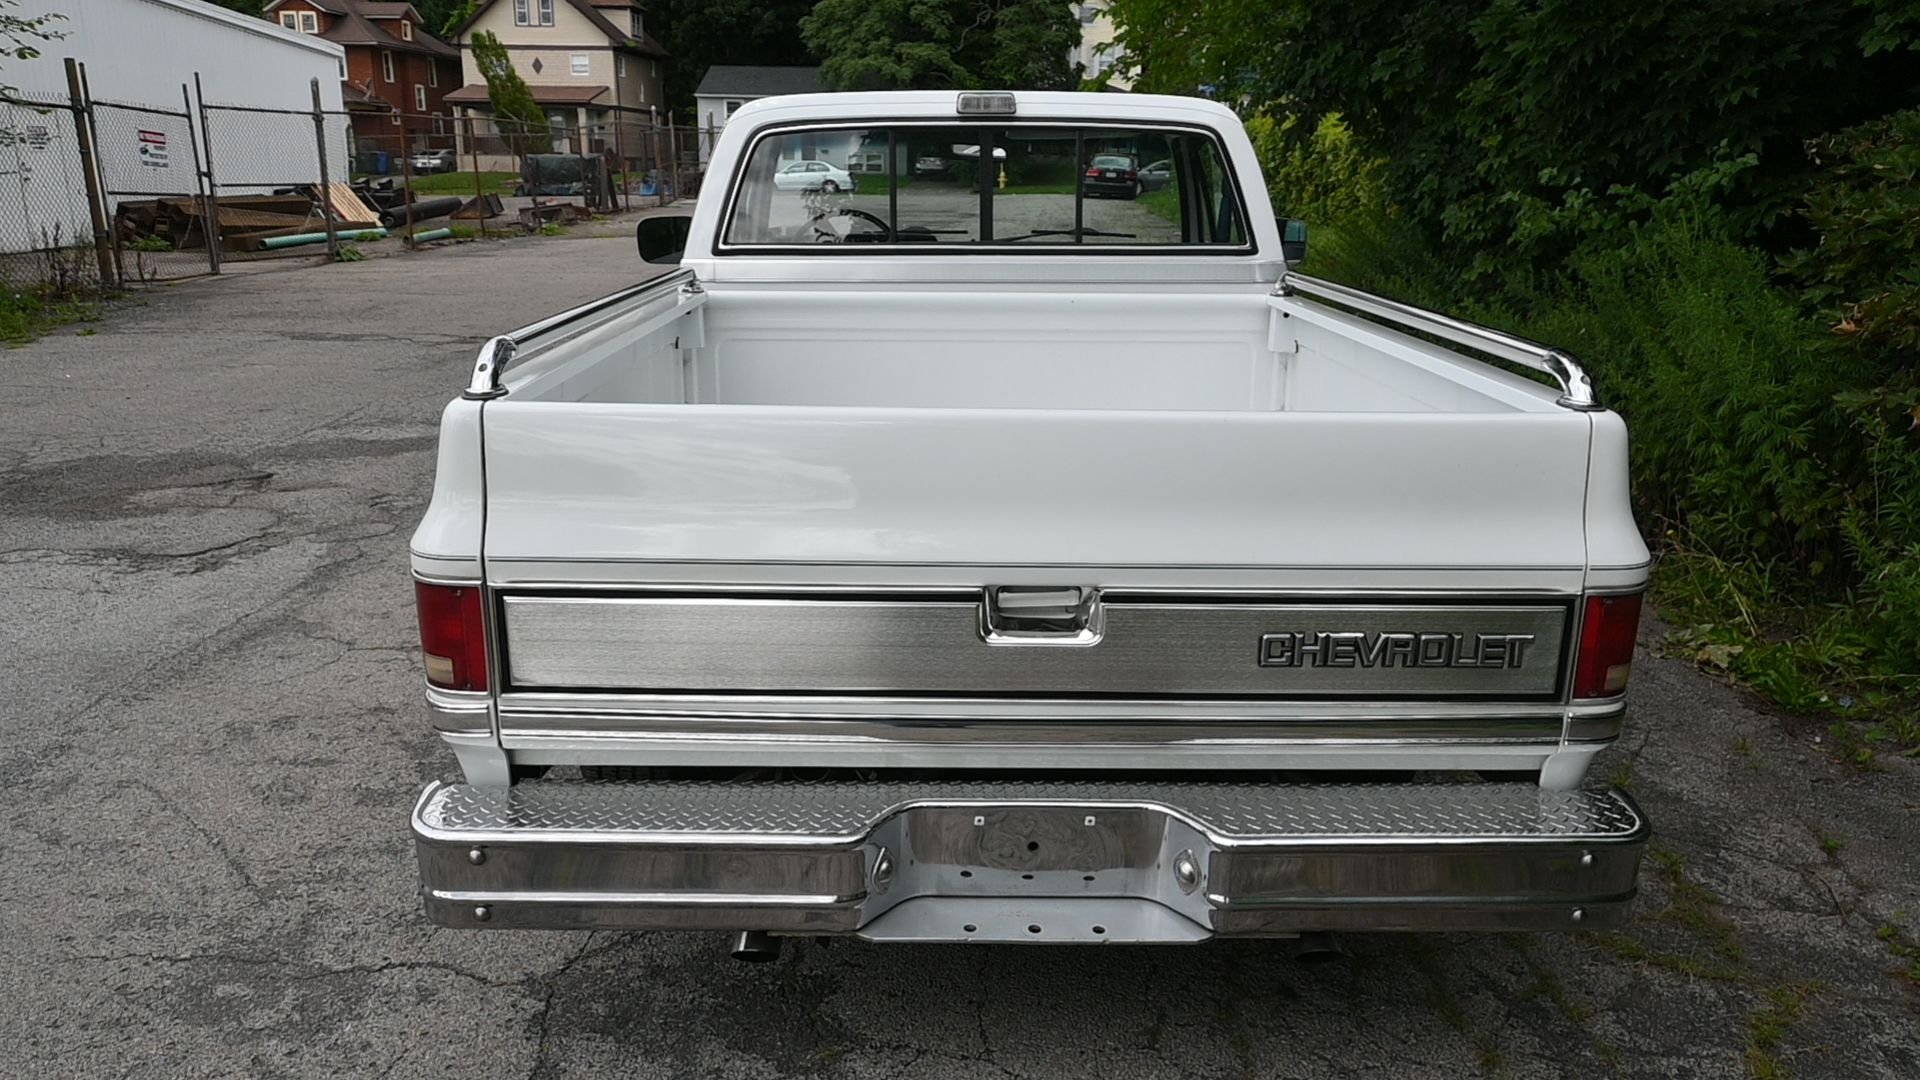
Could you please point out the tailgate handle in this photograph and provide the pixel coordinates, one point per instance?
(1041, 615)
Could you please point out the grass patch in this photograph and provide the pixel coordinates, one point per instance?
(1695, 907)
(553, 228)
(1767, 1026)
(1164, 202)
(30, 313)
(461, 183)
(1904, 948)
(880, 184)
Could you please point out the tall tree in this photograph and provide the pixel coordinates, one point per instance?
(942, 44)
(702, 33)
(1508, 125)
(441, 16)
(520, 120)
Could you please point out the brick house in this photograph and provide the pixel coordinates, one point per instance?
(397, 75)
(592, 67)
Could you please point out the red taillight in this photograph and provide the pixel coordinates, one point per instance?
(1093, 172)
(452, 635)
(1131, 175)
(1606, 646)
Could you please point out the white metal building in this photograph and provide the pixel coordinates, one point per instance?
(141, 52)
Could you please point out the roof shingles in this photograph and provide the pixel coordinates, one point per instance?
(735, 80)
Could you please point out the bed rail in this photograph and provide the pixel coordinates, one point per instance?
(1576, 389)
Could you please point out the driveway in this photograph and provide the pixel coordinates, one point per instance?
(212, 740)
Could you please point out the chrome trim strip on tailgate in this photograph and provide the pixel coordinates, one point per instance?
(1162, 861)
(1489, 651)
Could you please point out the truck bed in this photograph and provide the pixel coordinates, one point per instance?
(1219, 350)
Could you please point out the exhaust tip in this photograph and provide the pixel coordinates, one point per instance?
(1316, 948)
(756, 947)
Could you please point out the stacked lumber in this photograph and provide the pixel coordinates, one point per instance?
(244, 220)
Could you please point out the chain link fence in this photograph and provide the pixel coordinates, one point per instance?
(279, 178)
(150, 174)
(47, 235)
(98, 193)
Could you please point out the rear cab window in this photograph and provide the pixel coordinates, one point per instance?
(956, 187)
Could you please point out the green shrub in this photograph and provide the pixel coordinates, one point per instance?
(1323, 180)
(1780, 482)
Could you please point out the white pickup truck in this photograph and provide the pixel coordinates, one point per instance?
(940, 552)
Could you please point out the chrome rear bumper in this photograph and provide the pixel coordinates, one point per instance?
(1028, 862)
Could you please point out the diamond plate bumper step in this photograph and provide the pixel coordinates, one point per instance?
(1027, 862)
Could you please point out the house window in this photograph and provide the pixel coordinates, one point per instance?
(419, 98)
(580, 64)
(546, 12)
(656, 67)
(386, 64)
(393, 117)
(343, 68)
(306, 22)
(520, 13)
(433, 73)
(638, 30)
(439, 124)
(643, 93)
(734, 106)
(619, 66)
(406, 30)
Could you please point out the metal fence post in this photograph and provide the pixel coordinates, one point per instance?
(326, 187)
(673, 159)
(479, 187)
(406, 179)
(620, 151)
(199, 187)
(211, 224)
(96, 201)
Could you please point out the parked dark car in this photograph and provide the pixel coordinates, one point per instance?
(1112, 175)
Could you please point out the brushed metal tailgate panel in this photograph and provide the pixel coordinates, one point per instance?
(935, 646)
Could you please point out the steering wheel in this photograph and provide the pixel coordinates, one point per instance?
(823, 236)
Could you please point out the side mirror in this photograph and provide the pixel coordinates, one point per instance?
(1293, 242)
(662, 239)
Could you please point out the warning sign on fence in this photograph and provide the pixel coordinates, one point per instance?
(153, 149)
(38, 137)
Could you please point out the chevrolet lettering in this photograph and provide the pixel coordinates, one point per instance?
(1060, 566)
(1393, 649)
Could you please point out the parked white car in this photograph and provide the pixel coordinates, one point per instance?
(813, 176)
(1021, 569)
(434, 161)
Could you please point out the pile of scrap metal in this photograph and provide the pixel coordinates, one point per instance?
(244, 222)
(395, 209)
(567, 174)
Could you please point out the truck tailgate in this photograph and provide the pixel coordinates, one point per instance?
(587, 483)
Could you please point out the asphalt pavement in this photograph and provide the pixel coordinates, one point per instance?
(212, 738)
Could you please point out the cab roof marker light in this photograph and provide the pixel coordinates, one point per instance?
(994, 104)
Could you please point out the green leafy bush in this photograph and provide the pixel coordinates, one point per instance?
(1780, 482)
(1325, 179)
